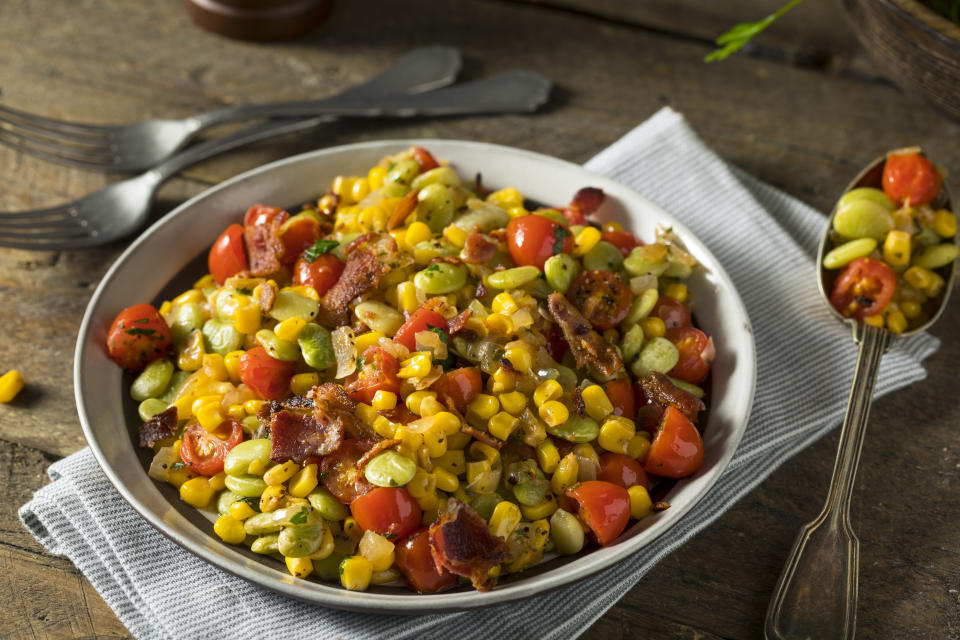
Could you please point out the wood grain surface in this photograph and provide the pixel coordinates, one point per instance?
(803, 110)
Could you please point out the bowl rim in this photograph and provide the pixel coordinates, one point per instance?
(587, 565)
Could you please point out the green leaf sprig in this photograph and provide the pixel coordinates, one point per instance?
(734, 39)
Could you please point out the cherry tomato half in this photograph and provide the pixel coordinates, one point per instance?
(910, 176)
(321, 274)
(379, 373)
(425, 159)
(622, 470)
(532, 239)
(602, 296)
(203, 452)
(262, 214)
(696, 353)
(677, 449)
(674, 314)
(620, 393)
(863, 288)
(415, 561)
(420, 320)
(297, 235)
(623, 240)
(340, 474)
(266, 376)
(227, 255)
(604, 507)
(459, 386)
(389, 511)
(138, 336)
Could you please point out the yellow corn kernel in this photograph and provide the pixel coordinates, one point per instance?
(435, 440)
(231, 362)
(377, 549)
(586, 240)
(875, 320)
(299, 567)
(919, 277)
(281, 473)
(615, 434)
(290, 328)
(228, 528)
(513, 402)
(218, 481)
(896, 321)
(596, 402)
(414, 400)
(446, 422)
(548, 456)
(351, 528)
(612, 226)
(517, 212)
(481, 477)
(410, 441)
(677, 291)
(499, 324)
(417, 232)
(546, 391)
(456, 235)
(183, 405)
(384, 400)
(911, 308)
(422, 484)
(505, 518)
(945, 223)
(246, 317)
(199, 401)
(177, 477)
(506, 198)
(214, 368)
(430, 406)
(445, 480)
(165, 308)
(241, 510)
(360, 189)
(640, 503)
(304, 290)
(355, 573)
(935, 286)
(301, 383)
(481, 451)
(407, 297)
(236, 412)
(190, 295)
(206, 282)
(653, 327)
(639, 447)
(554, 412)
(366, 413)
(384, 428)
(477, 326)
(375, 177)
(196, 492)
(368, 339)
(272, 498)
(520, 357)
(10, 385)
(417, 366)
(502, 425)
(504, 303)
(502, 380)
(484, 406)
(566, 474)
(190, 355)
(252, 407)
(343, 187)
(539, 511)
(209, 416)
(896, 248)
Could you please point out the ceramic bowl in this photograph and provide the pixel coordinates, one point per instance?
(175, 248)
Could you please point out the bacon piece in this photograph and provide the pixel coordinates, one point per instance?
(482, 436)
(367, 263)
(268, 295)
(478, 249)
(331, 400)
(399, 414)
(403, 209)
(588, 200)
(458, 322)
(589, 348)
(264, 248)
(159, 427)
(377, 448)
(296, 435)
(461, 543)
(662, 392)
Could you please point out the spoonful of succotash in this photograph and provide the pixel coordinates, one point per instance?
(886, 267)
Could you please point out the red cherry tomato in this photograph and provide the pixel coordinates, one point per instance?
(863, 288)
(459, 386)
(203, 452)
(227, 255)
(379, 373)
(574, 216)
(674, 314)
(620, 393)
(622, 240)
(340, 474)
(604, 507)
(267, 377)
(910, 176)
(421, 320)
(389, 511)
(138, 336)
(532, 239)
(602, 296)
(622, 470)
(425, 159)
(415, 561)
(321, 274)
(677, 449)
(696, 353)
(298, 236)
(261, 214)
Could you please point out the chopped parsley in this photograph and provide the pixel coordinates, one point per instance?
(360, 362)
(140, 332)
(176, 466)
(559, 234)
(319, 248)
(300, 517)
(440, 331)
(141, 321)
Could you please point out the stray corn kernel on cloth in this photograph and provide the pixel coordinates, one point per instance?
(153, 585)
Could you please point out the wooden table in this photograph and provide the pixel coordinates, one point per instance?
(803, 111)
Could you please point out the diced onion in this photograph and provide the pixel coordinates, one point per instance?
(430, 341)
(345, 350)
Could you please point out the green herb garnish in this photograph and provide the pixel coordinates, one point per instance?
(559, 233)
(176, 466)
(319, 248)
(734, 39)
(300, 517)
(140, 332)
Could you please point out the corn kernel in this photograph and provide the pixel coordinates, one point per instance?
(218, 481)
(615, 434)
(896, 321)
(10, 385)
(513, 402)
(407, 297)
(896, 248)
(435, 440)
(355, 573)
(360, 189)
(453, 461)
(241, 510)
(301, 383)
(504, 303)
(281, 473)
(299, 567)
(639, 446)
(422, 484)
(417, 232)
(919, 277)
(935, 286)
(653, 327)
(506, 198)
(446, 422)
(196, 492)
(343, 187)
(554, 413)
(366, 413)
(375, 177)
(544, 509)
(505, 518)
(206, 282)
(502, 425)
(548, 456)
(430, 406)
(481, 477)
(875, 320)
(596, 402)
(228, 528)
(517, 212)
(165, 308)
(911, 308)
(445, 480)
(484, 406)
(566, 474)
(502, 380)
(640, 503)
(481, 451)
(231, 362)
(214, 368)
(384, 400)
(183, 405)
(945, 223)
(290, 328)
(246, 316)
(546, 391)
(252, 407)
(586, 240)
(377, 549)
(499, 324)
(520, 357)
(384, 428)
(209, 415)
(417, 366)
(304, 290)
(410, 441)
(414, 400)
(368, 339)
(351, 528)
(236, 412)
(456, 235)
(256, 468)
(677, 291)
(272, 498)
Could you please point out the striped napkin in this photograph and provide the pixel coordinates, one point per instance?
(765, 239)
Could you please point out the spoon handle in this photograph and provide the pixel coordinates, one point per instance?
(816, 596)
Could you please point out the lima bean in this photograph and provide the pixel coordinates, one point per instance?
(869, 194)
(316, 344)
(485, 503)
(402, 171)
(176, 381)
(513, 278)
(379, 316)
(632, 342)
(848, 252)
(576, 429)
(862, 218)
(220, 337)
(603, 256)
(938, 256)
(390, 469)
(530, 493)
(151, 407)
(271, 521)
(692, 389)
(659, 354)
(265, 544)
(278, 348)
(289, 304)
(300, 540)
(642, 306)
(441, 175)
(326, 505)
(435, 206)
(560, 270)
(246, 486)
(553, 214)
(441, 278)
(637, 266)
(566, 532)
(185, 318)
(152, 381)
(239, 458)
(484, 215)
(225, 499)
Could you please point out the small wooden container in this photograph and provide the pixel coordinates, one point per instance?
(262, 20)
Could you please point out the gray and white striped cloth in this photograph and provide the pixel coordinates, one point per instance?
(149, 582)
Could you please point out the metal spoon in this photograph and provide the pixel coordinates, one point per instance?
(816, 595)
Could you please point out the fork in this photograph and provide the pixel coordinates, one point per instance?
(139, 146)
(117, 209)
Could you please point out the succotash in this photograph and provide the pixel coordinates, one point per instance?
(412, 361)
(894, 246)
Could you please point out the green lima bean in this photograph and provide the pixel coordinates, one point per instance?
(220, 337)
(316, 345)
(560, 270)
(440, 278)
(152, 381)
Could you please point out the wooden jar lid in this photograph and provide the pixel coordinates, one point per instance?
(259, 19)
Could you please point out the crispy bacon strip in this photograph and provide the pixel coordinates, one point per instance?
(482, 436)
(588, 346)
(367, 263)
(461, 543)
(159, 427)
(268, 295)
(332, 401)
(458, 322)
(264, 248)
(478, 249)
(404, 208)
(661, 391)
(298, 435)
